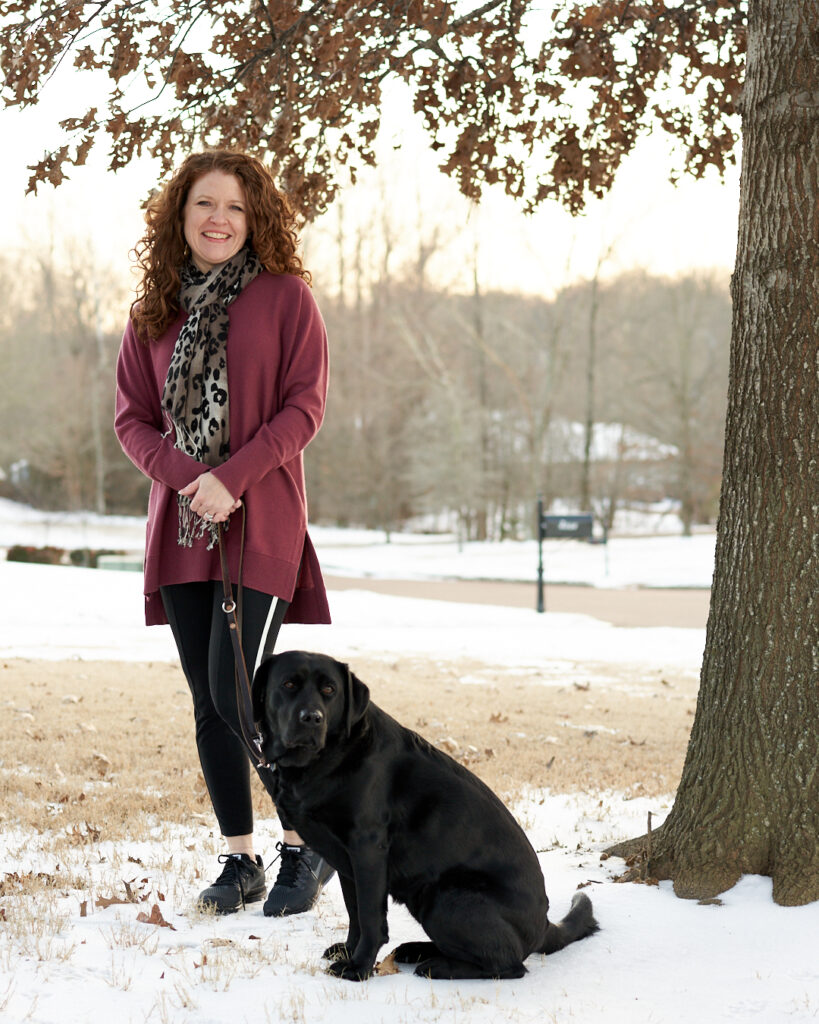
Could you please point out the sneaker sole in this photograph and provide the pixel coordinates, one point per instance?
(208, 907)
(287, 912)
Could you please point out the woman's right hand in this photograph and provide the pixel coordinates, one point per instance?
(210, 499)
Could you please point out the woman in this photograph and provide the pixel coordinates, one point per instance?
(221, 384)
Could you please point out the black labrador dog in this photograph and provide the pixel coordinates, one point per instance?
(396, 816)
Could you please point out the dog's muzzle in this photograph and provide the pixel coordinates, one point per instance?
(311, 716)
(307, 730)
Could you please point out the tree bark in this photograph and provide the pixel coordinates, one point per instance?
(748, 800)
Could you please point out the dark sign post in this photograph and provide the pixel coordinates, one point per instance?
(541, 605)
(570, 527)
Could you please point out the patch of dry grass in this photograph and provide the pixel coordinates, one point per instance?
(92, 750)
(95, 751)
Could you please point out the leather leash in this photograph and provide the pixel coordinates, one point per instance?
(244, 699)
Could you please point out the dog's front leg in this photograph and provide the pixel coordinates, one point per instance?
(344, 950)
(369, 889)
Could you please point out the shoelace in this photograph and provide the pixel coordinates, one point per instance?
(294, 863)
(231, 872)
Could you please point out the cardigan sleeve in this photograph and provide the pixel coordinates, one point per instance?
(303, 388)
(138, 419)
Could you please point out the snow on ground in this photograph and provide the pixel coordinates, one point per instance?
(62, 612)
(655, 560)
(658, 561)
(20, 524)
(656, 958)
(93, 614)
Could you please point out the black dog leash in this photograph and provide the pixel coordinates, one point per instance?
(244, 699)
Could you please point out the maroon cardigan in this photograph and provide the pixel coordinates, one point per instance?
(277, 379)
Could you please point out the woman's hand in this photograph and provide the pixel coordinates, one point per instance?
(210, 499)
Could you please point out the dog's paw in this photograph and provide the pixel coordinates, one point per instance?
(350, 970)
(338, 951)
(413, 952)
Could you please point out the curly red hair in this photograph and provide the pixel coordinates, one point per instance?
(162, 251)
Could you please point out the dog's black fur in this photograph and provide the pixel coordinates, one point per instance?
(395, 816)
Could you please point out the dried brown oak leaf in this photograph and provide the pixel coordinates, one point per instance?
(155, 917)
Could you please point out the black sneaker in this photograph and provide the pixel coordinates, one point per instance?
(302, 876)
(241, 882)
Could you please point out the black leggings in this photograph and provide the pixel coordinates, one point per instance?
(200, 630)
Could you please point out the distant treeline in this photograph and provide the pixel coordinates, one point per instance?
(456, 408)
(464, 407)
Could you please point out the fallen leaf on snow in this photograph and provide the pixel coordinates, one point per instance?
(110, 901)
(155, 917)
(387, 966)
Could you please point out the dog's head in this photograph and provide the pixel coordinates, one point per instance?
(304, 702)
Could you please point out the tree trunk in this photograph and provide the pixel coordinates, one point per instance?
(748, 801)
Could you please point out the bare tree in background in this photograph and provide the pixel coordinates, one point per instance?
(677, 358)
(592, 370)
(60, 359)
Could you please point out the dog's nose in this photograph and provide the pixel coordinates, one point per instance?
(311, 716)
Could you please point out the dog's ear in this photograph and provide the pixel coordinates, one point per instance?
(259, 686)
(358, 698)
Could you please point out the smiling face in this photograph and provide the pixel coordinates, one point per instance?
(215, 219)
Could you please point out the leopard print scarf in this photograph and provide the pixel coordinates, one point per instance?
(195, 395)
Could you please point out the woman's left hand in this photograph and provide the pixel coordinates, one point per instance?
(210, 499)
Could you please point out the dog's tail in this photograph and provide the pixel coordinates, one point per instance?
(577, 924)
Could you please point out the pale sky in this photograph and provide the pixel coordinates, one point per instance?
(645, 221)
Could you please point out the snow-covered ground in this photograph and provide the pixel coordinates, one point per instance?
(650, 561)
(64, 612)
(656, 958)
(653, 559)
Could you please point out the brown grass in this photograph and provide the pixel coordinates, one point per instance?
(94, 751)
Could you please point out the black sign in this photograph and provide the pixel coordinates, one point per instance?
(575, 527)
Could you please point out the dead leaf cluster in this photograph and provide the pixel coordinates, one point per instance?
(549, 115)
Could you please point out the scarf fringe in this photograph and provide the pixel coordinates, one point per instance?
(193, 527)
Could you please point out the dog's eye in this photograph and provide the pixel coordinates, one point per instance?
(288, 684)
(328, 690)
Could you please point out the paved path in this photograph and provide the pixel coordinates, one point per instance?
(637, 607)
